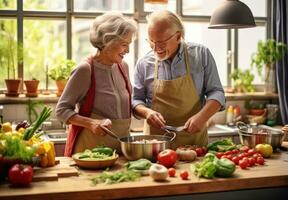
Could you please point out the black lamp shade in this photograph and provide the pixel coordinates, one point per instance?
(232, 14)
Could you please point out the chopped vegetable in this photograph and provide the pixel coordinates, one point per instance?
(103, 150)
(116, 177)
(90, 155)
(221, 145)
(141, 164)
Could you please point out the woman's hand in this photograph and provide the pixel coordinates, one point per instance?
(195, 123)
(155, 119)
(96, 126)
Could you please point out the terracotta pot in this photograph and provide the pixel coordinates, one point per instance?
(13, 86)
(60, 86)
(31, 86)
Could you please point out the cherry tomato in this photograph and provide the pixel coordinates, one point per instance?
(167, 157)
(184, 174)
(243, 163)
(171, 172)
(199, 151)
(229, 156)
(251, 161)
(204, 149)
(20, 175)
(244, 149)
(235, 151)
(251, 152)
(219, 154)
(235, 159)
(228, 153)
(260, 160)
(256, 155)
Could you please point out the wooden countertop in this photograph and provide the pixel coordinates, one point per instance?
(273, 174)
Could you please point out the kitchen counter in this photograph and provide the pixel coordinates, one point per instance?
(270, 179)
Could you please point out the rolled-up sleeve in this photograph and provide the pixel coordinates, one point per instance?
(212, 85)
(139, 91)
(75, 90)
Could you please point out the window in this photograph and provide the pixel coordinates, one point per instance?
(50, 30)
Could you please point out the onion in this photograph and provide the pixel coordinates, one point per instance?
(186, 154)
(158, 172)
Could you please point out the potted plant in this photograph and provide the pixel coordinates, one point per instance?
(268, 52)
(8, 52)
(31, 87)
(242, 80)
(60, 73)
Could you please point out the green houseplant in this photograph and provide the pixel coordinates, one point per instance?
(242, 80)
(268, 52)
(61, 72)
(8, 55)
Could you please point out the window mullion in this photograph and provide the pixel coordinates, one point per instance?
(20, 62)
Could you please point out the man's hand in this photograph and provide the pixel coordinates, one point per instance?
(195, 123)
(96, 126)
(155, 119)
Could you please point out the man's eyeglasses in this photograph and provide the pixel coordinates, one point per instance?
(161, 44)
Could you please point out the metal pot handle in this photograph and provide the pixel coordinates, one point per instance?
(241, 125)
(169, 133)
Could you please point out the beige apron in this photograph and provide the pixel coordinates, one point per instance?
(88, 140)
(177, 100)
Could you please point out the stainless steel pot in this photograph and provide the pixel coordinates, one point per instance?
(253, 135)
(135, 151)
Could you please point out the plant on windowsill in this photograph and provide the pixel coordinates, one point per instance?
(268, 52)
(242, 80)
(60, 73)
(31, 87)
(8, 55)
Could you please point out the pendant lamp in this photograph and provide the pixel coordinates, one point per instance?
(232, 14)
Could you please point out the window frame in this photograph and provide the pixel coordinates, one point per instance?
(139, 15)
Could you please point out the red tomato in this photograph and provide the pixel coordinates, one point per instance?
(244, 149)
(184, 174)
(260, 160)
(167, 157)
(241, 156)
(251, 161)
(219, 154)
(199, 151)
(243, 163)
(256, 155)
(251, 152)
(235, 151)
(228, 153)
(20, 175)
(235, 159)
(171, 172)
(229, 156)
(204, 149)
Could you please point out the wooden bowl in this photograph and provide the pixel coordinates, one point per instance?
(94, 164)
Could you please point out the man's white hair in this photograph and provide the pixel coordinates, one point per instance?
(107, 28)
(166, 16)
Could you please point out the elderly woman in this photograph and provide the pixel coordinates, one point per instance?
(99, 88)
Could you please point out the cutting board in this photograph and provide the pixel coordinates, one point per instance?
(61, 169)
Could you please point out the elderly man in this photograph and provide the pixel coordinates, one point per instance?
(177, 83)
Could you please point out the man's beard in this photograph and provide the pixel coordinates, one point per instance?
(163, 58)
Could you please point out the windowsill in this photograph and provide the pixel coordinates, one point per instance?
(52, 98)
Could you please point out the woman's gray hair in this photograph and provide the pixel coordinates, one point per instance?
(107, 28)
(169, 17)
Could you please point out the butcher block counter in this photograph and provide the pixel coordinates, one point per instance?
(269, 179)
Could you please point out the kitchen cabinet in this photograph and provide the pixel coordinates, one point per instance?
(266, 182)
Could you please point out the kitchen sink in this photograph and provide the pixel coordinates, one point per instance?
(57, 135)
